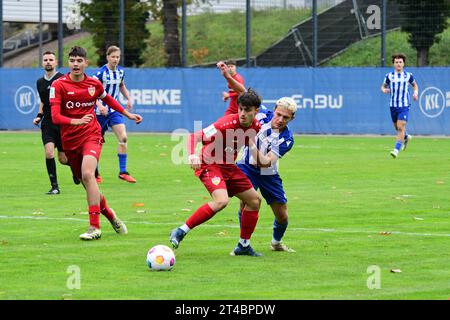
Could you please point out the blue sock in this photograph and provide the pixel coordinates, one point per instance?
(122, 162)
(398, 145)
(279, 230)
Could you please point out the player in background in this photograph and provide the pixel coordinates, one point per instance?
(111, 75)
(235, 84)
(260, 163)
(73, 98)
(51, 135)
(217, 170)
(397, 84)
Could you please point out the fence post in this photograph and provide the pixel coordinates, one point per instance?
(1, 34)
(383, 33)
(122, 31)
(40, 33)
(248, 13)
(183, 34)
(60, 35)
(314, 21)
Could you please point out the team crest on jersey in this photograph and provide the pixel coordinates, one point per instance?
(52, 93)
(215, 180)
(91, 90)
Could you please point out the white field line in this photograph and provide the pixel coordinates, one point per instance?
(417, 234)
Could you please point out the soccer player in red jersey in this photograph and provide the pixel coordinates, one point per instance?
(73, 98)
(217, 170)
(235, 84)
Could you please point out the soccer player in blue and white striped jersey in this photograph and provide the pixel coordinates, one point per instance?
(111, 75)
(397, 84)
(260, 163)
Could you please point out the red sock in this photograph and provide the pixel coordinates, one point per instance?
(105, 210)
(94, 216)
(204, 213)
(248, 223)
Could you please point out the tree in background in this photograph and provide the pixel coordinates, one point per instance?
(101, 19)
(424, 20)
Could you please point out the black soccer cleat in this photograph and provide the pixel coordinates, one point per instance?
(176, 236)
(76, 180)
(53, 190)
(240, 250)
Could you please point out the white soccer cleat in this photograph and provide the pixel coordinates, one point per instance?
(405, 144)
(119, 226)
(394, 153)
(280, 247)
(91, 234)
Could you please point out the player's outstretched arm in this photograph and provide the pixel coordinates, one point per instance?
(193, 140)
(110, 101)
(235, 85)
(263, 161)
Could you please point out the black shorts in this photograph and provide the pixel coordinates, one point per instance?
(51, 133)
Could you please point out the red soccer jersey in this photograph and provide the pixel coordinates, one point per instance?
(233, 106)
(76, 99)
(224, 138)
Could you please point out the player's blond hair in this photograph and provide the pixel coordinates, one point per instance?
(112, 49)
(288, 104)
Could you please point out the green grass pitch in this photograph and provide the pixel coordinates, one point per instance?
(351, 206)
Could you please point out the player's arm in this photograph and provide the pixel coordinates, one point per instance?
(416, 90)
(193, 140)
(110, 101)
(263, 161)
(101, 108)
(237, 86)
(55, 107)
(124, 91)
(40, 114)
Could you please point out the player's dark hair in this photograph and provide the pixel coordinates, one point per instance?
(230, 62)
(48, 52)
(77, 52)
(399, 56)
(250, 98)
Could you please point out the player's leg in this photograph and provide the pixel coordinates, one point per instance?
(398, 143)
(253, 175)
(119, 129)
(249, 218)
(117, 224)
(103, 122)
(401, 128)
(50, 163)
(204, 213)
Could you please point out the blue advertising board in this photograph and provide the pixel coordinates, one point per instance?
(330, 100)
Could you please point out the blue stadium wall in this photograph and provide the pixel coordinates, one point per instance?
(331, 100)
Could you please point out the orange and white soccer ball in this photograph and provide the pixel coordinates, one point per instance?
(160, 258)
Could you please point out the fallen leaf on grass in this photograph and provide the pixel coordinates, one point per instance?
(4, 242)
(141, 211)
(440, 182)
(186, 209)
(223, 233)
(190, 201)
(396, 270)
(38, 213)
(417, 218)
(385, 233)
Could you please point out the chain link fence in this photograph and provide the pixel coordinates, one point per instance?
(269, 33)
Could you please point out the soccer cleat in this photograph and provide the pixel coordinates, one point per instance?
(240, 250)
(407, 140)
(126, 176)
(91, 234)
(99, 179)
(176, 236)
(76, 180)
(53, 190)
(280, 247)
(119, 226)
(394, 153)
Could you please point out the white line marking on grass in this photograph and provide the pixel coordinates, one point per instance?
(236, 226)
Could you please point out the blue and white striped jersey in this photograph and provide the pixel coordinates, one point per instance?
(269, 140)
(398, 83)
(111, 80)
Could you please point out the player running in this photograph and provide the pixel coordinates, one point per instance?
(73, 98)
(111, 75)
(260, 163)
(397, 84)
(217, 170)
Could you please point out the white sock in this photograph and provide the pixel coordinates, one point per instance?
(244, 242)
(185, 228)
(275, 242)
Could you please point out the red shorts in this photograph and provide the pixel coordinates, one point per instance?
(224, 176)
(75, 157)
